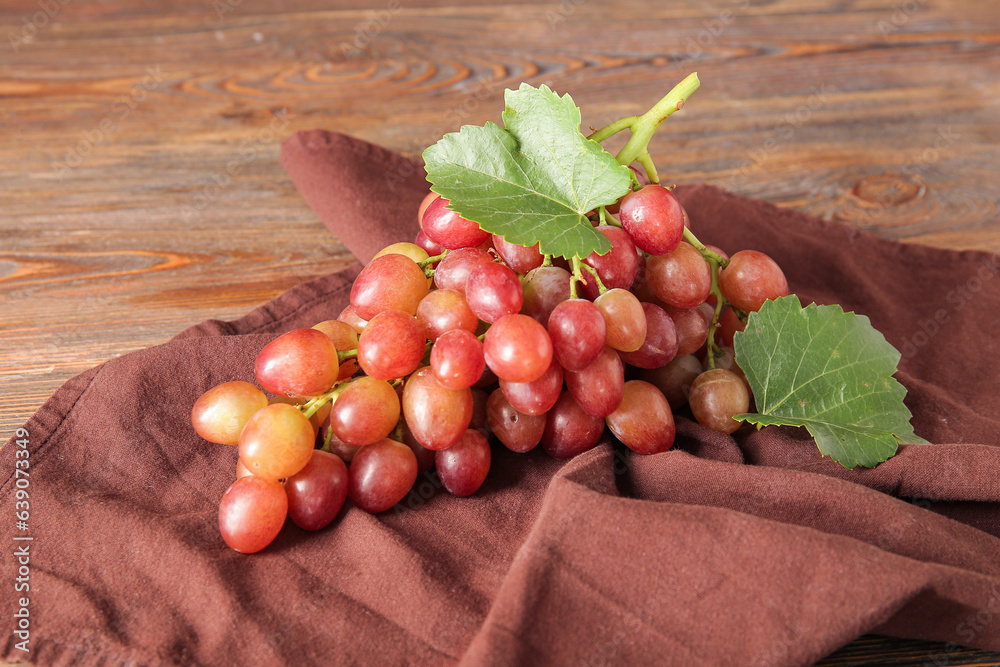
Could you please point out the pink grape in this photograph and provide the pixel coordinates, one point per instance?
(318, 417)
(616, 268)
(750, 279)
(492, 291)
(692, 328)
(457, 359)
(681, 278)
(569, 430)
(518, 257)
(428, 198)
(425, 457)
(351, 317)
(251, 513)
(317, 492)
(453, 271)
(220, 414)
(463, 467)
(599, 387)
(389, 282)
(675, 379)
(437, 416)
(381, 475)
(626, 328)
(538, 396)
(643, 422)
(391, 346)
(302, 362)
(518, 348)
(277, 442)
(653, 219)
(443, 310)
(578, 331)
(716, 396)
(517, 431)
(241, 470)
(450, 230)
(660, 345)
(544, 289)
(366, 411)
(729, 324)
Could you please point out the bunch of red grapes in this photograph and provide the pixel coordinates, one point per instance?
(461, 335)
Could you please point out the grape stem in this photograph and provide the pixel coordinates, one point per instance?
(312, 406)
(346, 354)
(613, 129)
(645, 126)
(428, 264)
(715, 262)
(577, 277)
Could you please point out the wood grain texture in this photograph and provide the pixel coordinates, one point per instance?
(142, 192)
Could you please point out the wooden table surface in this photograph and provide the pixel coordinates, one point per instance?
(141, 189)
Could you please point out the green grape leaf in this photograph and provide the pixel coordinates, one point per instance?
(829, 371)
(532, 181)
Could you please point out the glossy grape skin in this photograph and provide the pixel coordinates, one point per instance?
(424, 203)
(351, 317)
(463, 467)
(366, 411)
(453, 271)
(616, 268)
(626, 321)
(691, 326)
(518, 348)
(643, 422)
(675, 379)
(389, 282)
(443, 310)
(381, 475)
(344, 337)
(391, 346)
(599, 387)
(317, 492)
(411, 250)
(437, 416)
(302, 362)
(750, 279)
(492, 291)
(517, 431)
(569, 430)
(518, 257)
(457, 359)
(338, 447)
(432, 249)
(220, 414)
(251, 513)
(277, 441)
(538, 396)
(660, 345)
(544, 289)
(653, 219)
(716, 396)
(681, 278)
(578, 331)
(450, 230)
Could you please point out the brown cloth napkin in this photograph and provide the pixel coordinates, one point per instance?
(743, 550)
